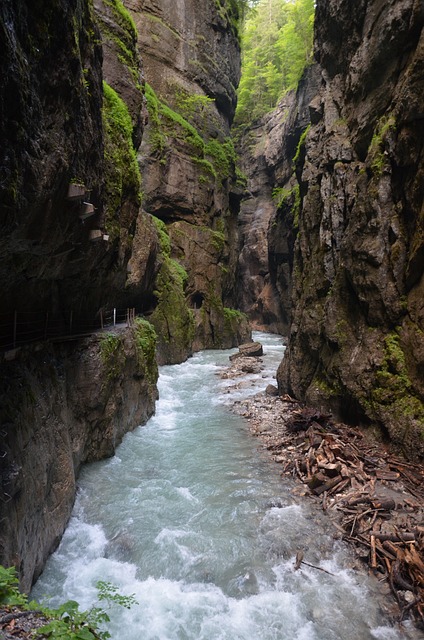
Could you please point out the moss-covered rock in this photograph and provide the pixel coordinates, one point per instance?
(145, 339)
(122, 175)
(172, 319)
(187, 158)
(121, 59)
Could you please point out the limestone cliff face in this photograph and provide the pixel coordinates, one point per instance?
(63, 406)
(51, 133)
(356, 339)
(72, 114)
(54, 127)
(60, 127)
(258, 294)
(191, 62)
(267, 221)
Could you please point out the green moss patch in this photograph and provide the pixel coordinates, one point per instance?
(145, 342)
(290, 198)
(122, 174)
(112, 355)
(393, 393)
(124, 36)
(232, 316)
(217, 159)
(377, 149)
(172, 319)
(300, 149)
(164, 239)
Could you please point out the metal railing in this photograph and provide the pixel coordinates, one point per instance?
(19, 328)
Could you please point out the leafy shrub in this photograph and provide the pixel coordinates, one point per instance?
(66, 622)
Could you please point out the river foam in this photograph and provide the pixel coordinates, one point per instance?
(191, 519)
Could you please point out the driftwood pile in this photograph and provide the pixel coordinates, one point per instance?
(374, 498)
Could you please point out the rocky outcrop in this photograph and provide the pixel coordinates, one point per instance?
(356, 341)
(258, 294)
(62, 126)
(64, 405)
(191, 64)
(72, 116)
(51, 129)
(267, 221)
(61, 406)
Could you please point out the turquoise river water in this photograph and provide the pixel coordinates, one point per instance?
(193, 519)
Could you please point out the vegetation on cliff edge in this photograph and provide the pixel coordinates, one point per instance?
(277, 44)
(215, 158)
(145, 342)
(172, 319)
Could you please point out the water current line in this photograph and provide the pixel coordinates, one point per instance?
(193, 519)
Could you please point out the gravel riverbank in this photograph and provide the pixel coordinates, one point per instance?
(373, 497)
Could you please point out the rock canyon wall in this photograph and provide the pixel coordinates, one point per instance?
(114, 194)
(191, 59)
(75, 405)
(331, 225)
(268, 152)
(356, 336)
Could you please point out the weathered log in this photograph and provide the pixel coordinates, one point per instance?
(315, 440)
(304, 418)
(383, 474)
(327, 485)
(339, 487)
(398, 578)
(317, 480)
(401, 537)
(318, 568)
(388, 553)
(330, 469)
(412, 557)
(299, 558)
(391, 548)
(362, 499)
(373, 554)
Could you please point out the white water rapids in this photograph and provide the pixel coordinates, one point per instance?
(191, 518)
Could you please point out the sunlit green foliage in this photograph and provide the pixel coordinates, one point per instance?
(277, 45)
(234, 11)
(145, 342)
(66, 622)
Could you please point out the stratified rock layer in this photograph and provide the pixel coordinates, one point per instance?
(356, 340)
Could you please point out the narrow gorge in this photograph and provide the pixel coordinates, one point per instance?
(140, 226)
(336, 206)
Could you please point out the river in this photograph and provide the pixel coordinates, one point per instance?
(193, 519)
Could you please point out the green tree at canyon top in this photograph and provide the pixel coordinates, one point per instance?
(277, 44)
